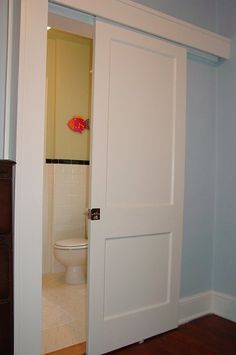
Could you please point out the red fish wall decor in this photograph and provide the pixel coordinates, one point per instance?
(78, 124)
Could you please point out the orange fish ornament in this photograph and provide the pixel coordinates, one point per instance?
(78, 124)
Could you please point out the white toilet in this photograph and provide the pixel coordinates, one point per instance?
(72, 253)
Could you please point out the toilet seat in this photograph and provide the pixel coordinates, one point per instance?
(70, 244)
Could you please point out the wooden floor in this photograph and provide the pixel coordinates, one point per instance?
(209, 335)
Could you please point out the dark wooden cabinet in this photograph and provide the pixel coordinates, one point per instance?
(6, 256)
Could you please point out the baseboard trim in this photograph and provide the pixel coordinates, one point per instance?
(194, 306)
(207, 302)
(224, 305)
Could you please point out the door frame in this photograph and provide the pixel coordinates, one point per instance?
(30, 137)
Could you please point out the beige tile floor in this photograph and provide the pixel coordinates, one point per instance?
(79, 349)
(64, 313)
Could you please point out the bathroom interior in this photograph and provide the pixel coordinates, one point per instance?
(66, 175)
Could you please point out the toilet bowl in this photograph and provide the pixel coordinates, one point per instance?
(72, 253)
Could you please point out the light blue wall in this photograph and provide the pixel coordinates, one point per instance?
(199, 179)
(8, 146)
(224, 266)
(200, 151)
(14, 78)
(3, 66)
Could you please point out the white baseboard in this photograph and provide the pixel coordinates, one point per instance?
(208, 302)
(223, 305)
(194, 306)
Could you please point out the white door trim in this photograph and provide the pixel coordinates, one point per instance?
(141, 17)
(29, 177)
(30, 138)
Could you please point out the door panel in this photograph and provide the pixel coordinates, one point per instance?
(137, 174)
(132, 122)
(134, 296)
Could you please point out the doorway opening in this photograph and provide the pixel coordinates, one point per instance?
(66, 177)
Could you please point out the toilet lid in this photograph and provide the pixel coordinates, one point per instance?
(71, 243)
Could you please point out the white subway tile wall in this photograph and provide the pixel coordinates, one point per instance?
(65, 204)
(47, 217)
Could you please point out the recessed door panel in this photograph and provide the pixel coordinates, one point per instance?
(127, 282)
(135, 121)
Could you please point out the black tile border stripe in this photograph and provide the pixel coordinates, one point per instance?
(67, 161)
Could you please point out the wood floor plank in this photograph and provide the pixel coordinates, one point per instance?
(209, 335)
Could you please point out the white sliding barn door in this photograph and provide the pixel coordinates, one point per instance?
(137, 180)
